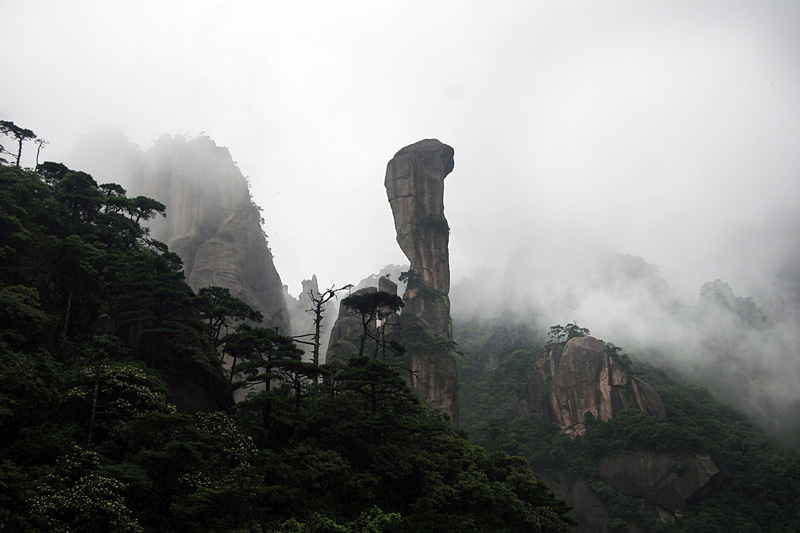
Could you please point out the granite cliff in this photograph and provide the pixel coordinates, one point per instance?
(583, 381)
(415, 188)
(212, 222)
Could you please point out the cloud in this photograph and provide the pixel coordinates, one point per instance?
(658, 130)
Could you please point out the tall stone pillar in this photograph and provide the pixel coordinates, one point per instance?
(415, 188)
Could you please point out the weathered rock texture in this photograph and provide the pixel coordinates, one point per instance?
(668, 481)
(415, 188)
(582, 377)
(343, 341)
(571, 381)
(212, 223)
(664, 484)
(588, 509)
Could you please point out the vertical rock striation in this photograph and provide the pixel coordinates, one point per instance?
(574, 383)
(582, 377)
(415, 188)
(213, 224)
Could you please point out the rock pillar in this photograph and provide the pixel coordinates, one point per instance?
(415, 188)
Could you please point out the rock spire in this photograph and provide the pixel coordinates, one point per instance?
(415, 188)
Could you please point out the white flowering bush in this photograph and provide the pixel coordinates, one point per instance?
(111, 392)
(236, 446)
(74, 497)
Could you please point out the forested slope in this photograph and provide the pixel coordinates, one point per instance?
(116, 410)
(757, 486)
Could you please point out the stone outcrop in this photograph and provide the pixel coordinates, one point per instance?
(415, 189)
(212, 222)
(302, 316)
(343, 341)
(582, 377)
(581, 380)
(664, 484)
(392, 272)
(669, 482)
(588, 509)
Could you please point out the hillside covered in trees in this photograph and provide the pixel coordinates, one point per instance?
(116, 410)
(755, 490)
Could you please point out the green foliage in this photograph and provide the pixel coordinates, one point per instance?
(97, 320)
(562, 334)
(107, 393)
(623, 358)
(75, 497)
(221, 311)
(497, 357)
(19, 134)
(435, 223)
(763, 476)
(372, 306)
(417, 285)
(372, 521)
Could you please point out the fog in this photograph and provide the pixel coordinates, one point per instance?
(586, 135)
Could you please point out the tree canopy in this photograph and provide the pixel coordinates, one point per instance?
(105, 351)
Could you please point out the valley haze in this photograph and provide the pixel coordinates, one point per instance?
(611, 158)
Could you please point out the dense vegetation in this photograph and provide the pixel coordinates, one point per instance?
(759, 494)
(98, 330)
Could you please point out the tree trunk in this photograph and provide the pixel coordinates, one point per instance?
(67, 312)
(94, 407)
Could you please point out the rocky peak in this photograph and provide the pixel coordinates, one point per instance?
(387, 285)
(580, 378)
(415, 189)
(212, 222)
(301, 310)
(718, 300)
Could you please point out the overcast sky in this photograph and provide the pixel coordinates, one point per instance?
(658, 127)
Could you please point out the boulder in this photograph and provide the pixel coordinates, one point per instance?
(582, 378)
(666, 480)
(589, 511)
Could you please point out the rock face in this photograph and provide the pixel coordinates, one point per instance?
(415, 188)
(302, 317)
(664, 485)
(668, 481)
(582, 377)
(572, 382)
(212, 223)
(590, 511)
(346, 328)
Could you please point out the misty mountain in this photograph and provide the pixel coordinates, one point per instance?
(211, 223)
(743, 348)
